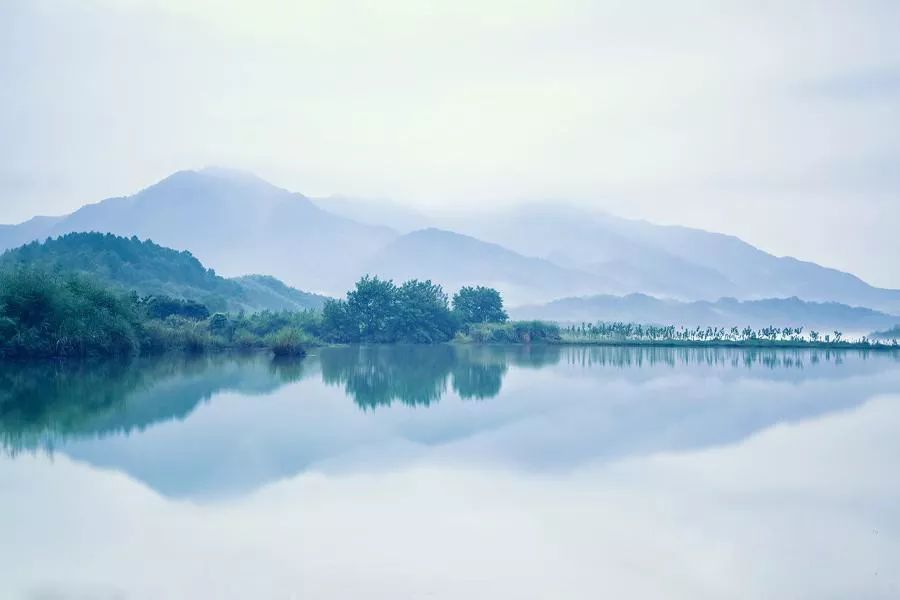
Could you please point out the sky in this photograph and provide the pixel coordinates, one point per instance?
(778, 122)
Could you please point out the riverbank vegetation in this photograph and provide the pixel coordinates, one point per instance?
(47, 314)
(617, 333)
(52, 315)
(891, 335)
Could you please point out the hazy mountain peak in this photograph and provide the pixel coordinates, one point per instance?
(240, 223)
(217, 182)
(230, 173)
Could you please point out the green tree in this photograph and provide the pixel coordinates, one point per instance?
(372, 305)
(479, 305)
(422, 313)
(337, 323)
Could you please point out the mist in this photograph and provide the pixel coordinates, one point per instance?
(778, 124)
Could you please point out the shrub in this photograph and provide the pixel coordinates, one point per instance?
(289, 342)
(47, 315)
(514, 332)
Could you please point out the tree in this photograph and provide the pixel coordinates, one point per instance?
(479, 305)
(372, 305)
(422, 313)
(337, 324)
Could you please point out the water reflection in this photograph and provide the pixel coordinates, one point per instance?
(154, 420)
(747, 358)
(379, 375)
(524, 472)
(44, 403)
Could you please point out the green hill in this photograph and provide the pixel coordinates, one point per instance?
(151, 269)
(269, 292)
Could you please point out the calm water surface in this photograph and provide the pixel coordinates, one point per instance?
(454, 472)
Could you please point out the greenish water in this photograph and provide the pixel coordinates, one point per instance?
(454, 472)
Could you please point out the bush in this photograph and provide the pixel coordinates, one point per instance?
(514, 332)
(161, 307)
(48, 315)
(289, 342)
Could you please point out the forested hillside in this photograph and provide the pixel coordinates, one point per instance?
(153, 270)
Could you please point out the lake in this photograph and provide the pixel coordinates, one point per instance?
(454, 472)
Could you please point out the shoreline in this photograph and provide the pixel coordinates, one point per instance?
(753, 344)
(688, 344)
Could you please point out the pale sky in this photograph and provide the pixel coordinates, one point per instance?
(775, 121)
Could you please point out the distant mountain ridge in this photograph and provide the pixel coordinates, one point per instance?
(725, 312)
(233, 221)
(150, 269)
(670, 261)
(240, 224)
(465, 260)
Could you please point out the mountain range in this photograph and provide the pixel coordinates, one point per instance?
(725, 312)
(240, 224)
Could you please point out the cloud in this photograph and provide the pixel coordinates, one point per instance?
(732, 116)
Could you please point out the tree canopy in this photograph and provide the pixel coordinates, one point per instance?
(479, 305)
(153, 270)
(377, 310)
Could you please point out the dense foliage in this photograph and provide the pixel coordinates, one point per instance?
(53, 315)
(513, 332)
(152, 270)
(127, 263)
(161, 307)
(377, 310)
(478, 305)
(69, 315)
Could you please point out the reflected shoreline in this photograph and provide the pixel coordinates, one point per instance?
(43, 404)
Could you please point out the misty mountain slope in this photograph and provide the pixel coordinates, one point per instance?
(272, 293)
(756, 272)
(236, 222)
(376, 211)
(454, 260)
(151, 269)
(890, 334)
(240, 224)
(37, 228)
(575, 239)
(726, 312)
(671, 261)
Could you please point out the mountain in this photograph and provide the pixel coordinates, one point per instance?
(241, 224)
(375, 211)
(669, 261)
(890, 334)
(12, 236)
(232, 220)
(726, 312)
(455, 260)
(271, 293)
(150, 269)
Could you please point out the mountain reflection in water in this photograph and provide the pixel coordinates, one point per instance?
(213, 426)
